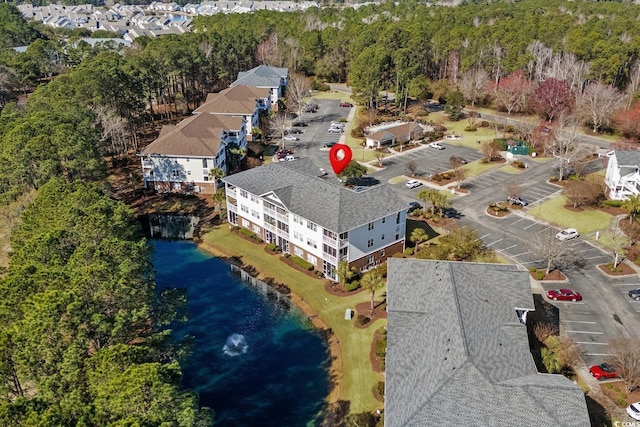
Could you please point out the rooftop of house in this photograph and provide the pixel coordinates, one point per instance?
(297, 187)
(261, 76)
(239, 99)
(457, 352)
(196, 136)
(627, 157)
(395, 131)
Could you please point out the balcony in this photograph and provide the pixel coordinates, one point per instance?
(232, 208)
(270, 227)
(330, 258)
(329, 241)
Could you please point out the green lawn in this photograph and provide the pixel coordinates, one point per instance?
(587, 222)
(359, 378)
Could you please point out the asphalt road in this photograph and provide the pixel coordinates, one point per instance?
(605, 312)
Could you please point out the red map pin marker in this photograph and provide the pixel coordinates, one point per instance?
(340, 156)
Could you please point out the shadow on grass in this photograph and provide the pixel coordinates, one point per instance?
(412, 224)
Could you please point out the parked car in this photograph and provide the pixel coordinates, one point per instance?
(413, 183)
(454, 136)
(329, 144)
(290, 138)
(436, 145)
(635, 294)
(414, 206)
(515, 200)
(634, 411)
(346, 104)
(564, 295)
(323, 172)
(299, 124)
(337, 125)
(289, 158)
(457, 160)
(567, 234)
(309, 109)
(603, 371)
(295, 131)
(334, 129)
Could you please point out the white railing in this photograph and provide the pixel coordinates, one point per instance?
(330, 258)
(329, 241)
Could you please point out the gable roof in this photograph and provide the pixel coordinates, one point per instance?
(262, 76)
(240, 99)
(456, 350)
(627, 157)
(196, 136)
(327, 203)
(395, 131)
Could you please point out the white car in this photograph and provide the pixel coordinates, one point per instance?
(436, 145)
(289, 138)
(337, 125)
(413, 183)
(567, 234)
(634, 411)
(335, 130)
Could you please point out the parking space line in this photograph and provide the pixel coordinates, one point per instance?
(515, 222)
(529, 226)
(512, 246)
(585, 332)
(592, 343)
(523, 253)
(600, 354)
(495, 242)
(580, 321)
(482, 237)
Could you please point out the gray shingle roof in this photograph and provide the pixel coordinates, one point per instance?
(628, 158)
(261, 76)
(456, 350)
(326, 203)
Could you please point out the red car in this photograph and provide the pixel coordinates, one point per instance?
(564, 295)
(346, 104)
(603, 372)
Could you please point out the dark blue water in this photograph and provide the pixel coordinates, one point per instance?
(256, 362)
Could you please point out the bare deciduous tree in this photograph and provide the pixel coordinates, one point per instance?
(490, 150)
(472, 84)
(545, 245)
(598, 104)
(513, 189)
(511, 93)
(563, 144)
(279, 123)
(412, 167)
(298, 90)
(584, 193)
(380, 155)
(618, 243)
(626, 360)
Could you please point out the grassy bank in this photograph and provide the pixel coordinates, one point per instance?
(357, 379)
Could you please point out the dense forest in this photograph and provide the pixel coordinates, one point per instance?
(84, 338)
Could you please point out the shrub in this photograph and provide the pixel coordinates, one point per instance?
(301, 263)
(611, 203)
(247, 233)
(272, 247)
(408, 251)
(484, 160)
(609, 386)
(518, 164)
(382, 270)
(616, 389)
(622, 403)
(287, 255)
(352, 286)
(422, 113)
(381, 347)
(319, 85)
(362, 319)
(539, 274)
(532, 269)
(319, 273)
(471, 129)
(380, 388)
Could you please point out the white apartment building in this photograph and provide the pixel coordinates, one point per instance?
(623, 176)
(315, 217)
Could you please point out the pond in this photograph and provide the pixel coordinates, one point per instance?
(257, 361)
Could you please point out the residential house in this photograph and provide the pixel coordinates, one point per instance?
(397, 134)
(314, 217)
(263, 76)
(622, 176)
(239, 101)
(181, 158)
(458, 351)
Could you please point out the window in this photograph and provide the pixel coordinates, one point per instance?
(370, 259)
(370, 243)
(253, 198)
(175, 173)
(370, 226)
(243, 193)
(397, 236)
(245, 223)
(297, 219)
(329, 250)
(206, 178)
(256, 228)
(312, 226)
(343, 252)
(398, 218)
(313, 260)
(382, 253)
(189, 173)
(244, 208)
(382, 237)
(312, 243)
(255, 214)
(344, 236)
(384, 219)
(297, 235)
(298, 252)
(204, 163)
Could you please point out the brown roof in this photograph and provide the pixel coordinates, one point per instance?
(239, 99)
(396, 131)
(198, 136)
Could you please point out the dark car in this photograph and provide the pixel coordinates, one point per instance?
(457, 161)
(603, 372)
(346, 104)
(295, 131)
(635, 294)
(414, 206)
(299, 124)
(310, 109)
(329, 144)
(515, 200)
